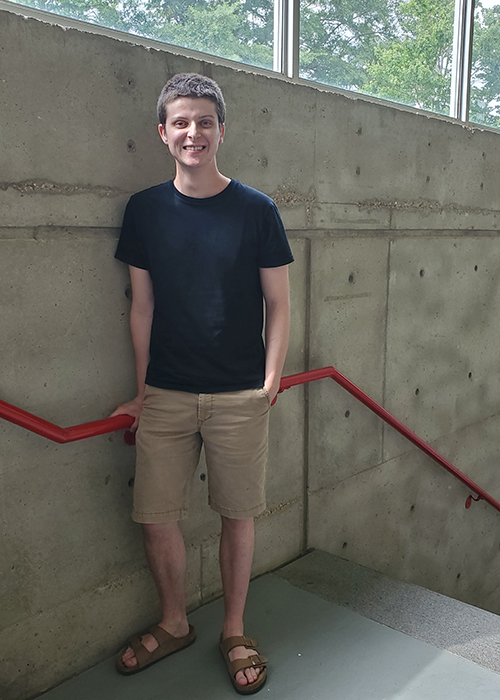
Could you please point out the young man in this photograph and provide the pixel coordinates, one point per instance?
(203, 251)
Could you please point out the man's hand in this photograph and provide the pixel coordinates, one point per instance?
(272, 387)
(132, 408)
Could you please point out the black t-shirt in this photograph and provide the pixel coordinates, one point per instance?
(203, 256)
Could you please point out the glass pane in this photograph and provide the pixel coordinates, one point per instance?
(241, 30)
(400, 50)
(485, 79)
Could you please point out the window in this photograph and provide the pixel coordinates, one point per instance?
(485, 73)
(396, 49)
(240, 30)
(416, 52)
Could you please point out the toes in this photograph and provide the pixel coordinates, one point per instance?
(128, 658)
(241, 679)
(251, 675)
(248, 675)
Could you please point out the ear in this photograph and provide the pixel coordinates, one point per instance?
(163, 134)
(222, 132)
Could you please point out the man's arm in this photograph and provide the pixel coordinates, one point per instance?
(275, 287)
(141, 316)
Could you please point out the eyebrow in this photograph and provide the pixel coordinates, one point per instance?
(204, 116)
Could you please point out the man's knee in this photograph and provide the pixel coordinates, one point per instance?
(237, 525)
(155, 532)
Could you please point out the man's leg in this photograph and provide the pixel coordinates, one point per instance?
(166, 556)
(236, 554)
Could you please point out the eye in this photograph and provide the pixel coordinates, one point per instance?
(180, 124)
(207, 123)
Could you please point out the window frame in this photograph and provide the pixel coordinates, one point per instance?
(286, 42)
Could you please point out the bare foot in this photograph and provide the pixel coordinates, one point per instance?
(150, 643)
(249, 675)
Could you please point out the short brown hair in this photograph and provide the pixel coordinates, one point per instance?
(191, 85)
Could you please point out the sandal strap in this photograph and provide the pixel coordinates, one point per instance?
(254, 661)
(243, 641)
(142, 655)
(160, 634)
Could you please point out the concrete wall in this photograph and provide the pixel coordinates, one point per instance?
(393, 219)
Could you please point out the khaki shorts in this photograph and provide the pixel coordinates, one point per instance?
(233, 427)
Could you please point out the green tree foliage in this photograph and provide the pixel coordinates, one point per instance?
(227, 28)
(400, 50)
(338, 39)
(396, 49)
(485, 82)
(415, 67)
(233, 29)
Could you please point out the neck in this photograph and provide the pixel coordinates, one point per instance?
(200, 183)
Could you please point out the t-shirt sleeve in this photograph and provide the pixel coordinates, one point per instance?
(274, 249)
(130, 247)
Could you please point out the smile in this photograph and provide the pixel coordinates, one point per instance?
(194, 148)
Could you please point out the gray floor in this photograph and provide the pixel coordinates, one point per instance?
(425, 615)
(319, 649)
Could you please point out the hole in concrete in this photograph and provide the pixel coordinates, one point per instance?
(131, 482)
(347, 414)
(203, 477)
(128, 291)
(358, 170)
(422, 273)
(412, 508)
(417, 392)
(428, 178)
(481, 186)
(131, 146)
(470, 375)
(458, 576)
(351, 278)
(475, 268)
(344, 546)
(359, 131)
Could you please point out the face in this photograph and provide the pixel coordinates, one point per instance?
(192, 132)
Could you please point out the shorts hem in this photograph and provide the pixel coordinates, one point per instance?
(238, 514)
(152, 518)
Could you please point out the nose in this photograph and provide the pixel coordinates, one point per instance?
(193, 130)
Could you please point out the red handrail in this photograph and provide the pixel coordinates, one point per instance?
(62, 435)
(108, 425)
(332, 373)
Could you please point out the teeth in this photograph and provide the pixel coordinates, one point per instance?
(194, 148)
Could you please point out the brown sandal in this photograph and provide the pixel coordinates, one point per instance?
(254, 661)
(167, 644)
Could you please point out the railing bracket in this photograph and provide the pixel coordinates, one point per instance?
(470, 498)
